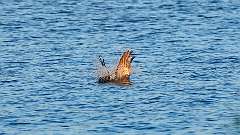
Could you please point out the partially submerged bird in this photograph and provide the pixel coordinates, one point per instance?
(121, 74)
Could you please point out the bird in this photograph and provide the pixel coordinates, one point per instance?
(122, 72)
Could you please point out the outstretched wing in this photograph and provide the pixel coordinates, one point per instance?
(124, 68)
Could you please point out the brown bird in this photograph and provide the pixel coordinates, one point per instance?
(122, 72)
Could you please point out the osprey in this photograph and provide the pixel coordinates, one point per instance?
(121, 74)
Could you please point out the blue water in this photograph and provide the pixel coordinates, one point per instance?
(186, 76)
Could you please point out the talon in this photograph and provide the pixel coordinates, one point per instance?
(101, 60)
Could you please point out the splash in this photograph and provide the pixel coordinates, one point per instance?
(104, 74)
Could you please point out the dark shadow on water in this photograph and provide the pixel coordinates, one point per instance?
(116, 83)
(236, 122)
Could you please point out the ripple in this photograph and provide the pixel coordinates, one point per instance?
(186, 71)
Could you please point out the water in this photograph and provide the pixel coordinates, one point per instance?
(186, 76)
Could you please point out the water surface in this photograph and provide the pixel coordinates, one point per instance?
(186, 76)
